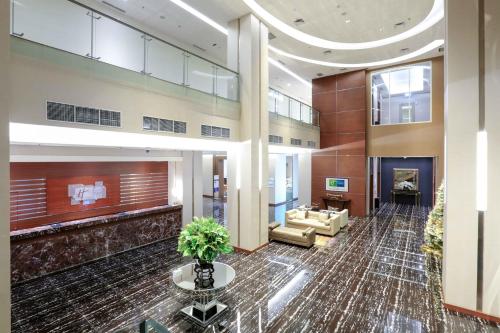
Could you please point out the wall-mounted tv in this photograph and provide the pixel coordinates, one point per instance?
(337, 184)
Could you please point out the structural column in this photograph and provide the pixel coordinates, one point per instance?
(4, 169)
(304, 170)
(471, 263)
(192, 186)
(248, 162)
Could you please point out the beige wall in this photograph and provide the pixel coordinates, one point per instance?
(43, 73)
(422, 139)
(4, 170)
(288, 129)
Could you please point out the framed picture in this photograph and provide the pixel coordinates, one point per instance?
(337, 184)
(405, 179)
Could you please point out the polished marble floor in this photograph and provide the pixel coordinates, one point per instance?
(374, 279)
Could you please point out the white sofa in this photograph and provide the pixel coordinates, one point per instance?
(344, 217)
(323, 224)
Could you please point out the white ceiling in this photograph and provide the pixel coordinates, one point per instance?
(339, 20)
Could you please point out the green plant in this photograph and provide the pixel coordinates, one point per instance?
(434, 228)
(204, 239)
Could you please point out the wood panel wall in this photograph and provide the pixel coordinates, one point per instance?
(341, 102)
(148, 181)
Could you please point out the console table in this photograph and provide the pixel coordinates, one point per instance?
(341, 204)
(415, 194)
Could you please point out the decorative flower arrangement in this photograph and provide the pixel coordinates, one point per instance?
(434, 228)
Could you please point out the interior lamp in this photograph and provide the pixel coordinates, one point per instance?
(481, 170)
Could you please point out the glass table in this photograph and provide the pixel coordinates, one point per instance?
(205, 309)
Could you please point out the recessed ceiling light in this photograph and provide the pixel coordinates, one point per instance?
(348, 21)
(289, 72)
(319, 74)
(288, 84)
(299, 21)
(200, 15)
(435, 15)
(404, 50)
(327, 52)
(162, 17)
(429, 47)
(270, 36)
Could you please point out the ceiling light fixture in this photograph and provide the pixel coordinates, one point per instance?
(434, 16)
(429, 47)
(200, 15)
(289, 72)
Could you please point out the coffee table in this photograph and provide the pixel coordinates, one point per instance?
(205, 308)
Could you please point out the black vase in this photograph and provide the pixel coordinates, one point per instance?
(204, 275)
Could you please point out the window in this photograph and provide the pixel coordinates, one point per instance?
(402, 95)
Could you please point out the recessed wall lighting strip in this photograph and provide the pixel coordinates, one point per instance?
(429, 47)
(289, 72)
(435, 15)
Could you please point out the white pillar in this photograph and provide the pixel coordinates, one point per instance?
(248, 206)
(175, 186)
(470, 270)
(277, 171)
(192, 186)
(208, 175)
(4, 170)
(304, 166)
(295, 176)
(491, 258)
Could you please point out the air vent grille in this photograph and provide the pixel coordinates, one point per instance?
(82, 114)
(275, 139)
(206, 130)
(110, 118)
(163, 125)
(296, 142)
(179, 127)
(87, 115)
(166, 125)
(311, 144)
(60, 111)
(215, 131)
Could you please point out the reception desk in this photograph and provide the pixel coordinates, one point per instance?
(42, 250)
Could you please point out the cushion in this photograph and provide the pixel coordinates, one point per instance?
(301, 215)
(313, 215)
(310, 223)
(323, 217)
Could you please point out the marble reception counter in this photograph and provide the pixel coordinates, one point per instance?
(42, 250)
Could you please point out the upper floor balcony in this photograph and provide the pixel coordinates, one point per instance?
(74, 28)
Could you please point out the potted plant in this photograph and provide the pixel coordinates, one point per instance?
(204, 239)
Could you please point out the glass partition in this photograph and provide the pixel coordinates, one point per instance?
(56, 23)
(164, 61)
(117, 44)
(72, 27)
(200, 74)
(286, 106)
(295, 109)
(227, 83)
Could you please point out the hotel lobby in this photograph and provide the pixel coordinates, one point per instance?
(249, 166)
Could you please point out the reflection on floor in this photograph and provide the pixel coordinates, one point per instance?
(374, 279)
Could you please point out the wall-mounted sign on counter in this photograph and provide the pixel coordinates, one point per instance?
(337, 184)
(86, 194)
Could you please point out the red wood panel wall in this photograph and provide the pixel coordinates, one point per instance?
(341, 102)
(143, 184)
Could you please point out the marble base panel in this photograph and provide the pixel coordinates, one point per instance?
(43, 250)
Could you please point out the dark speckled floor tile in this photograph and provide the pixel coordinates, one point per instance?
(372, 279)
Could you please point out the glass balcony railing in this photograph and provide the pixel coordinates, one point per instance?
(74, 28)
(282, 105)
